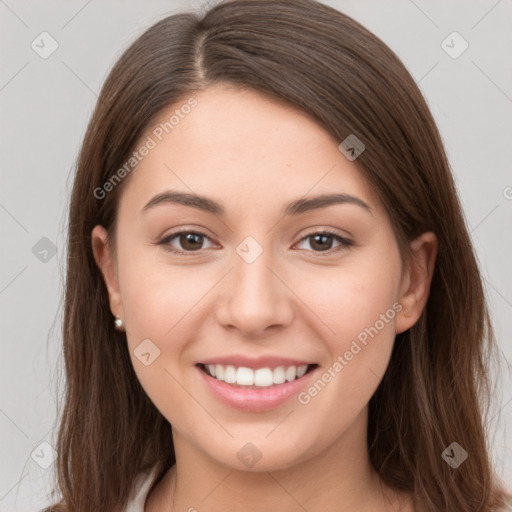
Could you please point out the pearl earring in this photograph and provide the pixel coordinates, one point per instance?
(118, 324)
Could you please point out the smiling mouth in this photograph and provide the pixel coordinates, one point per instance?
(256, 378)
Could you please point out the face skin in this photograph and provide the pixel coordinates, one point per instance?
(301, 298)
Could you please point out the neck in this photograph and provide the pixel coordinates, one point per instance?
(338, 479)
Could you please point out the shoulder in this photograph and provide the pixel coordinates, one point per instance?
(137, 498)
(140, 491)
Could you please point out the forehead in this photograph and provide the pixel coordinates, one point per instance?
(243, 146)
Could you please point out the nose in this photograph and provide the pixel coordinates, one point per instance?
(254, 297)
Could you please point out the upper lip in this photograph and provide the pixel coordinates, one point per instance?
(255, 362)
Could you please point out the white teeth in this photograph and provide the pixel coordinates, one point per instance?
(245, 376)
(291, 373)
(219, 372)
(301, 370)
(230, 374)
(278, 375)
(261, 377)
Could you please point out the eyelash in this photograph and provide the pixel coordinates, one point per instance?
(345, 242)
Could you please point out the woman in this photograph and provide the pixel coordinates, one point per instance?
(272, 298)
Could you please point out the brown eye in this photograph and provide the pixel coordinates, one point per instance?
(184, 242)
(323, 242)
(191, 241)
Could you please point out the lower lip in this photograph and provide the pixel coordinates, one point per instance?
(254, 399)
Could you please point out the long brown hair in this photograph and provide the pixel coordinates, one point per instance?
(307, 54)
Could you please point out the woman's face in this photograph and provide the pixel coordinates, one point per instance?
(260, 291)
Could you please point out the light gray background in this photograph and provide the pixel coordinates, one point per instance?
(45, 107)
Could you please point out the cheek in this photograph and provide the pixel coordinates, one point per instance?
(158, 296)
(361, 310)
(358, 304)
(161, 303)
(352, 298)
(159, 306)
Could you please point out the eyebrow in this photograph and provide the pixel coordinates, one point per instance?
(296, 207)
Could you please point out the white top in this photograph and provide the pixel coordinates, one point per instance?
(141, 491)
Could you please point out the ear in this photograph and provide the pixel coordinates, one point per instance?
(415, 287)
(104, 259)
